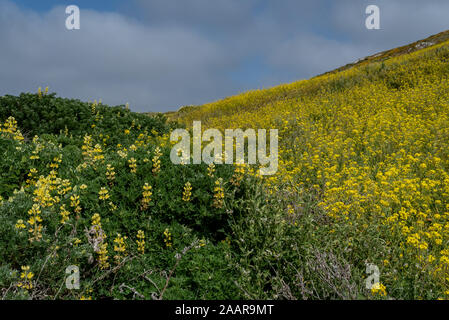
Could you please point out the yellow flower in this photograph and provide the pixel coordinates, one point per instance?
(211, 170)
(140, 241)
(35, 228)
(218, 194)
(187, 193)
(156, 160)
(103, 256)
(132, 165)
(110, 173)
(147, 193)
(64, 214)
(119, 247)
(26, 276)
(20, 224)
(75, 203)
(167, 238)
(103, 194)
(378, 289)
(112, 206)
(96, 221)
(239, 173)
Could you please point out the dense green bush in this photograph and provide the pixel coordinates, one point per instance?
(48, 114)
(69, 137)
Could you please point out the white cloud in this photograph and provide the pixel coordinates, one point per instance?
(169, 53)
(110, 57)
(312, 55)
(402, 22)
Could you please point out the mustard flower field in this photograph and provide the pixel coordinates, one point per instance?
(363, 173)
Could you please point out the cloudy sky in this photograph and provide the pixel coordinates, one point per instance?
(159, 55)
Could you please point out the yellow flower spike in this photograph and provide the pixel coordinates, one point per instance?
(218, 200)
(34, 223)
(27, 277)
(64, 214)
(119, 248)
(132, 163)
(187, 193)
(156, 161)
(140, 242)
(211, 170)
(167, 238)
(146, 194)
(20, 224)
(103, 194)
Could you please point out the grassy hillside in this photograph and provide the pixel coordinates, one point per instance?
(364, 164)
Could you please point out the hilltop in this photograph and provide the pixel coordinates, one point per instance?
(384, 55)
(297, 89)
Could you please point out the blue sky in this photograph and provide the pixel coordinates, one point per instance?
(159, 55)
(46, 5)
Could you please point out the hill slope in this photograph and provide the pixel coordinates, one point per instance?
(363, 181)
(364, 153)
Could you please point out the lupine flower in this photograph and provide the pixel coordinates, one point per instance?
(103, 194)
(187, 193)
(132, 163)
(218, 194)
(140, 241)
(167, 238)
(26, 278)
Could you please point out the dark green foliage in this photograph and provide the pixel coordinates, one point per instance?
(204, 272)
(48, 114)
